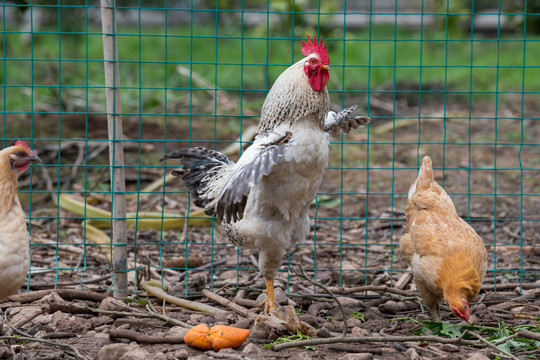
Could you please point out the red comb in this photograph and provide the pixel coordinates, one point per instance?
(22, 143)
(312, 47)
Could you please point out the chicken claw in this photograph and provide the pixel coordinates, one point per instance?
(270, 305)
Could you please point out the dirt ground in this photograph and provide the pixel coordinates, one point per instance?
(357, 223)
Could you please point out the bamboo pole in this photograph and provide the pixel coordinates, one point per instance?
(116, 149)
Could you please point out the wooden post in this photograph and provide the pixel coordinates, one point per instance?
(116, 149)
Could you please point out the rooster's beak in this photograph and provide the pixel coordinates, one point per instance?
(326, 67)
(470, 322)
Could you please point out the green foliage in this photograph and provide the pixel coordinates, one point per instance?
(358, 315)
(303, 16)
(444, 329)
(144, 83)
(284, 339)
(327, 200)
(532, 21)
(502, 335)
(133, 300)
(457, 14)
(515, 343)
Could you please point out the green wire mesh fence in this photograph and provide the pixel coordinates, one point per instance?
(458, 82)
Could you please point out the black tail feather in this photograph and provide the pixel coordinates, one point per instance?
(197, 162)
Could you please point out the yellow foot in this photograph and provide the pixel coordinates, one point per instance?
(270, 305)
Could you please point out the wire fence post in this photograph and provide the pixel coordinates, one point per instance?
(116, 149)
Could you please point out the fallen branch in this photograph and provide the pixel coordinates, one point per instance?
(154, 288)
(511, 286)
(134, 314)
(142, 338)
(374, 339)
(66, 294)
(43, 285)
(228, 303)
(375, 288)
(529, 335)
(404, 280)
(246, 302)
(72, 349)
(314, 297)
(68, 308)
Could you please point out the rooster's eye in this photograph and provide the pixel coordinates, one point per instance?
(313, 61)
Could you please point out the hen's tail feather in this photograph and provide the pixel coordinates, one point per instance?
(198, 163)
(425, 177)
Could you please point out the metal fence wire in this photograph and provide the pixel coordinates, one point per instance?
(458, 81)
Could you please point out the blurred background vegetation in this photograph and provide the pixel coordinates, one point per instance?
(175, 57)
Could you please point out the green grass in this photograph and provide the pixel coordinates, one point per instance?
(33, 70)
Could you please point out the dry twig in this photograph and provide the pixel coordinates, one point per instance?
(304, 276)
(375, 288)
(142, 338)
(511, 286)
(66, 294)
(228, 303)
(135, 314)
(72, 349)
(375, 339)
(154, 288)
(152, 310)
(43, 285)
(13, 327)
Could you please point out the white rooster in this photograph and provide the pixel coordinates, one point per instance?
(263, 199)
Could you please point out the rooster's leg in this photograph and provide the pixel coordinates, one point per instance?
(270, 304)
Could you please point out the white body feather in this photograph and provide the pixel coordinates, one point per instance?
(263, 199)
(276, 214)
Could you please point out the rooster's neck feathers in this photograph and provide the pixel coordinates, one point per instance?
(291, 98)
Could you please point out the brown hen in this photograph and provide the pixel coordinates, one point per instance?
(447, 257)
(14, 237)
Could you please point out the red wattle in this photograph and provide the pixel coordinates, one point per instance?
(23, 167)
(319, 80)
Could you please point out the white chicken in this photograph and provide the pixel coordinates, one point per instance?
(263, 199)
